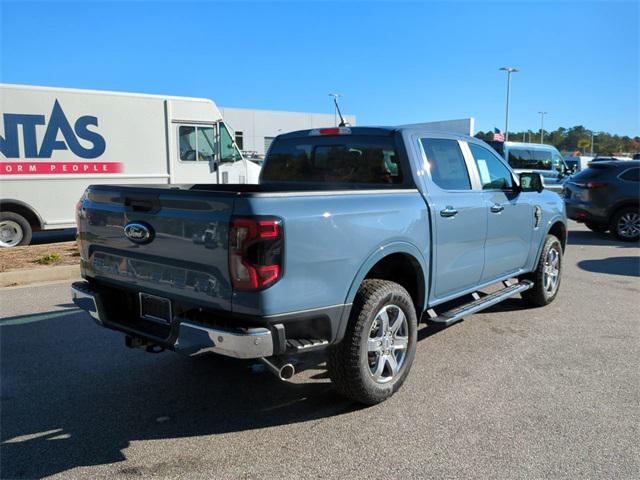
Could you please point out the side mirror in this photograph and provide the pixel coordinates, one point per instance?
(531, 182)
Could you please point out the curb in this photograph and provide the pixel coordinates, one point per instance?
(38, 275)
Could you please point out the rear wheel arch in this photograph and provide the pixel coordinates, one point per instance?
(624, 204)
(401, 263)
(24, 210)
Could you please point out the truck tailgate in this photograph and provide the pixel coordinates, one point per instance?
(185, 255)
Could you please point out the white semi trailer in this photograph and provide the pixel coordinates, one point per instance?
(54, 142)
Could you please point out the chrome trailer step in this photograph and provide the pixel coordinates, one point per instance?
(480, 303)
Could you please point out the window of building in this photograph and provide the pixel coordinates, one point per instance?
(447, 165)
(494, 175)
(197, 143)
(240, 140)
(267, 143)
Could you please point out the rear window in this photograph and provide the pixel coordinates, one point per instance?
(340, 159)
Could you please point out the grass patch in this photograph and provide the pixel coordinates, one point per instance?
(49, 258)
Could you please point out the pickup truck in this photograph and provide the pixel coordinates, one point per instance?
(352, 236)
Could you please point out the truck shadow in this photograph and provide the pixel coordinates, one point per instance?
(597, 239)
(73, 395)
(625, 266)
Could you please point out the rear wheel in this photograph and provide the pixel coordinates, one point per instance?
(547, 275)
(625, 224)
(596, 227)
(375, 356)
(14, 230)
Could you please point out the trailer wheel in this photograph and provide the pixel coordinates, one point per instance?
(375, 356)
(15, 230)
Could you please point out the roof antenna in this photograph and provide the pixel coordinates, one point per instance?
(338, 112)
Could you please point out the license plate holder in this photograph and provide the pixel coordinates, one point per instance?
(154, 308)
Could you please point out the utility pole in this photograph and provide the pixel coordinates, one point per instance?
(335, 96)
(542, 114)
(592, 143)
(509, 71)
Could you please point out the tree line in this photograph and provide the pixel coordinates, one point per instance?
(576, 139)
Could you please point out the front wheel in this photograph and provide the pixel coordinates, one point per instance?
(375, 356)
(547, 275)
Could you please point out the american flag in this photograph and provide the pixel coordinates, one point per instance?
(498, 136)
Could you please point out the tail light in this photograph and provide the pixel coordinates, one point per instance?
(591, 185)
(256, 247)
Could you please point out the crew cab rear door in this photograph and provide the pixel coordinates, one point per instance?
(458, 217)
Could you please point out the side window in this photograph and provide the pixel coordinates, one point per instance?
(206, 144)
(558, 162)
(187, 143)
(196, 144)
(521, 158)
(447, 167)
(228, 150)
(542, 160)
(494, 175)
(631, 175)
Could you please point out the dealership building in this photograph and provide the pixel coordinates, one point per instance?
(256, 129)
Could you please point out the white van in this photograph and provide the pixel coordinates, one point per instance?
(54, 142)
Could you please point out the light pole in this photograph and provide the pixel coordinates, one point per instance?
(509, 71)
(335, 96)
(542, 114)
(592, 143)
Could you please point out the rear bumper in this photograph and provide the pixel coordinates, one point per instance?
(584, 212)
(192, 339)
(224, 333)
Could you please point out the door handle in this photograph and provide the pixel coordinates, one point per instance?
(448, 212)
(496, 208)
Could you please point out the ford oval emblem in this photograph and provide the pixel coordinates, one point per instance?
(138, 232)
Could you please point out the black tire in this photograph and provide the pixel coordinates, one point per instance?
(22, 223)
(538, 295)
(617, 221)
(596, 227)
(349, 361)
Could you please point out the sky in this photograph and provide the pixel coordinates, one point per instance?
(393, 62)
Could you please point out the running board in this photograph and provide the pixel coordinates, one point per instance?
(480, 303)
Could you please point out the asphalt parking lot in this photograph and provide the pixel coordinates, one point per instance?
(506, 393)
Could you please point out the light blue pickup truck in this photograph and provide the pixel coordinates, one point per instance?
(352, 237)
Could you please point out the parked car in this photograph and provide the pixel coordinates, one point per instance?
(332, 250)
(536, 157)
(606, 196)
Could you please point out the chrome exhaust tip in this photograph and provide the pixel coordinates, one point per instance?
(281, 369)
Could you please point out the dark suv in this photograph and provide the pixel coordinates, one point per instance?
(606, 196)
